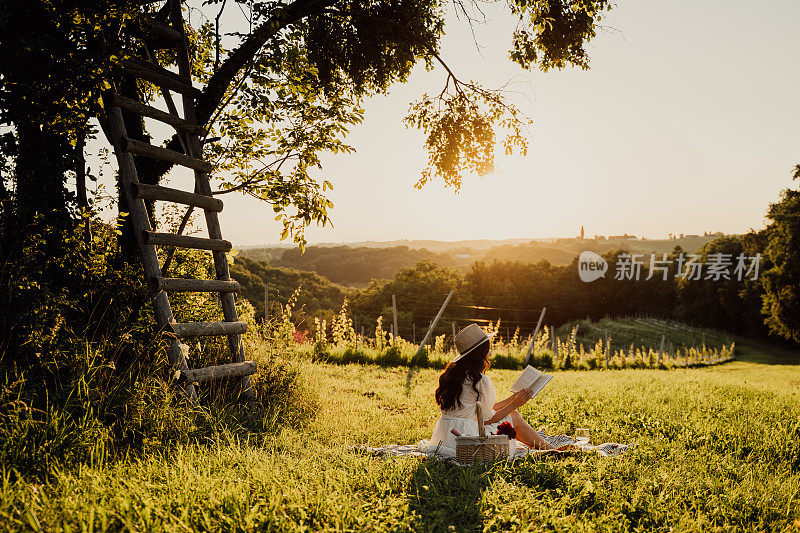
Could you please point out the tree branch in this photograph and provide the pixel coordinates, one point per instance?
(215, 90)
(220, 81)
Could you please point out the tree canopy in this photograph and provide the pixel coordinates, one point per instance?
(781, 298)
(274, 98)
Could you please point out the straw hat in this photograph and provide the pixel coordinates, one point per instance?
(470, 338)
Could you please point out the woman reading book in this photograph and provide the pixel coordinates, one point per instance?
(462, 384)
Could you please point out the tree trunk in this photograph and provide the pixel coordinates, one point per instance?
(80, 174)
(80, 186)
(39, 178)
(6, 220)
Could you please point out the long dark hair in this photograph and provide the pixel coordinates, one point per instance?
(450, 382)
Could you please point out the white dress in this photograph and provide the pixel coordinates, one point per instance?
(463, 418)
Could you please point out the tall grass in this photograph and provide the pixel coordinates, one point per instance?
(554, 353)
(717, 449)
(597, 347)
(82, 402)
(84, 376)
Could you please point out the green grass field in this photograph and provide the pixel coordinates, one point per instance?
(718, 450)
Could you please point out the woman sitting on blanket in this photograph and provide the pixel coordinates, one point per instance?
(462, 384)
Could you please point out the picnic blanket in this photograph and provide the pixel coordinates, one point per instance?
(608, 449)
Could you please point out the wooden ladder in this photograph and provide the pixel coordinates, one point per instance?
(158, 34)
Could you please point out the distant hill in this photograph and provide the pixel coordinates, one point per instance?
(531, 252)
(356, 264)
(318, 296)
(433, 246)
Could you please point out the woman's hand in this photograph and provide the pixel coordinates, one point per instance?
(522, 397)
(509, 405)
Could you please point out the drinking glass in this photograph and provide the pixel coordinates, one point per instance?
(582, 436)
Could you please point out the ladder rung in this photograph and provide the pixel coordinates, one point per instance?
(145, 110)
(163, 154)
(185, 241)
(207, 329)
(156, 192)
(159, 75)
(194, 285)
(232, 370)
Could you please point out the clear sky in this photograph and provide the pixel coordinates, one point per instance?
(687, 122)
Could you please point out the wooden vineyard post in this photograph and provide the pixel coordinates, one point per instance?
(394, 315)
(453, 324)
(661, 348)
(266, 304)
(555, 343)
(433, 325)
(533, 338)
(414, 332)
(572, 341)
(608, 350)
(568, 359)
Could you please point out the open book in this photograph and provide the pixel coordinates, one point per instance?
(531, 379)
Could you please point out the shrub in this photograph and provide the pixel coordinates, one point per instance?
(420, 358)
(506, 361)
(392, 356)
(542, 359)
(83, 373)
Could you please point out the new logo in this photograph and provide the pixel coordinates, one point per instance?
(591, 266)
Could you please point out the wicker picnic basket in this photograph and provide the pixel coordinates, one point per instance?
(470, 449)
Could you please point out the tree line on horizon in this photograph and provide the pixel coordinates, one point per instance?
(514, 292)
(357, 266)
